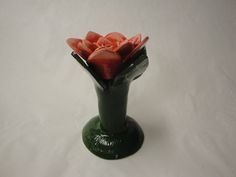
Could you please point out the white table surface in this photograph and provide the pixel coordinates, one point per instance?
(185, 101)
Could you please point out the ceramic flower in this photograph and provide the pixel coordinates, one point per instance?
(107, 54)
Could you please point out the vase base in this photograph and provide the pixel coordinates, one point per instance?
(109, 145)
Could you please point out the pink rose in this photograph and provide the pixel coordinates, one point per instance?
(107, 53)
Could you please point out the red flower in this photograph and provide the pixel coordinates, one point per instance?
(106, 53)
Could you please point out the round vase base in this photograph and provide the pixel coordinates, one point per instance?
(112, 145)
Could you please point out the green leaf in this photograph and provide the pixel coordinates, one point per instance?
(132, 69)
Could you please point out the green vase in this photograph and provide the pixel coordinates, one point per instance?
(112, 134)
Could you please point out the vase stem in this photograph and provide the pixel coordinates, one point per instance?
(112, 104)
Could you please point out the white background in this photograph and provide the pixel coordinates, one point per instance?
(185, 101)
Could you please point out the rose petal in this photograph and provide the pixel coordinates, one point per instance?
(115, 37)
(103, 42)
(124, 49)
(90, 45)
(106, 62)
(135, 39)
(92, 36)
(104, 56)
(136, 49)
(72, 42)
(85, 51)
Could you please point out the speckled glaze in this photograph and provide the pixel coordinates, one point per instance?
(112, 134)
(112, 146)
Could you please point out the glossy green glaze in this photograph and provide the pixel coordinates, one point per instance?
(112, 134)
(112, 145)
(112, 103)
